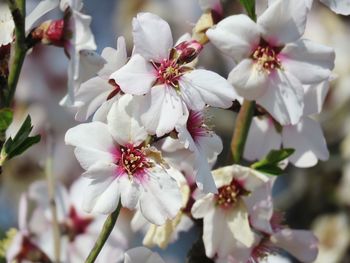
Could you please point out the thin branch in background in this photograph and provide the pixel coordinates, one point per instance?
(51, 192)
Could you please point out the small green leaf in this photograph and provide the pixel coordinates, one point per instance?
(249, 6)
(6, 116)
(270, 170)
(21, 142)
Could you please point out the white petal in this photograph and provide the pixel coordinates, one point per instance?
(91, 96)
(203, 206)
(123, 121)
(115, 58)
(338, 6)
(161, 198)
(102, 194)
(237, 36)
(308, 141)
(315, 96)
(7, 25)
(131, 192)
(262, 138)
(214, 89)
(260, 207)
(163, 108)
(310, 62)
(23, 212)
(40, 10)
(202, 172)
(301, 244)
(152, 37)
(141, 255)
(93, 142)
(83, 37)
(210, 146)
(283, 21)
(136, 77)
(248, 80)
(102, 112)
(284, 98)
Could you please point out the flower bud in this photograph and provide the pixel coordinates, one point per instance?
(187, 51)
(50, 33)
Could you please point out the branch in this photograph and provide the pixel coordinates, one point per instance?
(106, 231)
(17, 8)
(240, 134)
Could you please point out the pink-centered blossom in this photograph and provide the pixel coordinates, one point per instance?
(161, 72)
(97, 95)
(273, 62)
(120, 165)
(226, 215)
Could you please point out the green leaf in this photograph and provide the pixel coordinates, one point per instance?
(249, 6)
(6, 116)
(21, 142)
(269, 164)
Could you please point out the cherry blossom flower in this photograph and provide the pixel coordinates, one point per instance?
(162, 235)
(120, 165)
(7, 25)
(141, 255)
(273, 62)
(23, 246)
(226, 214)
(301, 244)
(160, 71)
(97, 95)
(78, 230)
(306, 137)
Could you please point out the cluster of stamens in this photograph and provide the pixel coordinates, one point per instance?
(228, 195)
(266, 58)
(196, 124)
(133, 159)
(168, 72)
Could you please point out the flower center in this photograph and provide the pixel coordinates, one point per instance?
(266, 57)
(75, 225)
(133, 159)
(228, 195)
(168, 72)
(196, 125)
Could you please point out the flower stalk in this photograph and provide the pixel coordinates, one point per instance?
(106, 231)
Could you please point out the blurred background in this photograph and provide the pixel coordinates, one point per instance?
(316, 198)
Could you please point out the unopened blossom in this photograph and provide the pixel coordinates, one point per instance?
(302, 244)
(159, 71)
(78, 230)
(7, 25)
(162, 235)
(97, 95)
(142, 255)
(273, 61)
(120, 165)
(227, 229)
(306, 137)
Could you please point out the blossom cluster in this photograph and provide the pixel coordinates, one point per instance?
(147, 144)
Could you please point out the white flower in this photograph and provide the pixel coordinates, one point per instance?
(197, 137)
(79, 230)
(160, 71)
(273, 62)
(120, 165)
(306, 137)
(80, 46)
(7, 25)
(141, 255)
(225, 215)
(96, 96)
(301, 244)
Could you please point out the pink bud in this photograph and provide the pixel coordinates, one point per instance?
(187, 51)
(54, 34)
